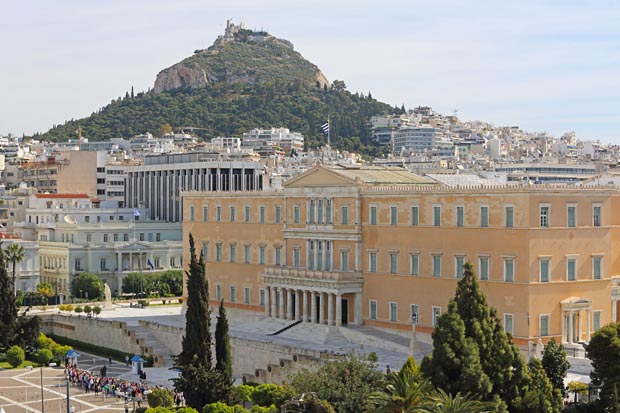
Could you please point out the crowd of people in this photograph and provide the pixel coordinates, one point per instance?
(107, 386)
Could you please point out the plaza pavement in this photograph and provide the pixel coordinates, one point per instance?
(20, 389)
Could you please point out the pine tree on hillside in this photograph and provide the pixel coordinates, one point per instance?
(454, 364)
(197, 340)
(223, 355)
(8, 309)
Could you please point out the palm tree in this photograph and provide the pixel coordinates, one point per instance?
(447, 403)
(15, 253)
(404, 393)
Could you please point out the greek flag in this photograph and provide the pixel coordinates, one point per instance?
(150, 264)
(136, 213)
(325, 127)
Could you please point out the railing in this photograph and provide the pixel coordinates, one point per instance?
(288, 272)
(494, 188)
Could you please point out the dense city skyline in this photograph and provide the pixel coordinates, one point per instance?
(542, 67)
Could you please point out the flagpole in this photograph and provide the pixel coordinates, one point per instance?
(328, 133)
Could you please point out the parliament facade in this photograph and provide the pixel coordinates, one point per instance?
(374, 246)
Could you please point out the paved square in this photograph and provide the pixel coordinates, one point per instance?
(20, 390)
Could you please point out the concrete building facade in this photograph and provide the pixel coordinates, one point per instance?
(376, 245)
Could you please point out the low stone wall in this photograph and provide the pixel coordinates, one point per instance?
(104, 333)
(256, 361)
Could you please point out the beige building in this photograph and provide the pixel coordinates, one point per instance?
(375, 245)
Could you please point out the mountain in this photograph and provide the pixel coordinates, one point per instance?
(244, 56)
(245, 80)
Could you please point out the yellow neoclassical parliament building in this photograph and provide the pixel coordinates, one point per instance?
(373, 245)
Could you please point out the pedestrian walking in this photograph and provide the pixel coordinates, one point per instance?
(126, 360)
(110, 360)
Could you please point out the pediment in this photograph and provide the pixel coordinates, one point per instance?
(134, 246)
(319, 176)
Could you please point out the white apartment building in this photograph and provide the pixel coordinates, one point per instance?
(282, 137)
(27, 270)
(416, 138)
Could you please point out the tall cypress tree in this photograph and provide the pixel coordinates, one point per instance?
(223, 355)
(454, 365)
(196, 378)
(197, 340)
(8, 309)
(499, 357)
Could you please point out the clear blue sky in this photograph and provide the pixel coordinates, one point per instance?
(543, 65)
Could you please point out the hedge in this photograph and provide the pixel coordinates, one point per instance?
(99, 350)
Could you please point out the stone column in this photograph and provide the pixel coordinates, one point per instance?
(588, 327)
(312, 307)
(289, 304)
(330, 309)
(579, 326)
(570, 326)
(338, 310)
(305, 305)
(267, 308)
(321, 308)
(281, 298)
(297, 305)
(119, 261)
(274, 310)
(563, 327)
(614, 311)
(358, 311)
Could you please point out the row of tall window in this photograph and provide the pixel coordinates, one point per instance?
(483, 215)
(246, 252)
(483, 270)
(233, 215)
(246, 294)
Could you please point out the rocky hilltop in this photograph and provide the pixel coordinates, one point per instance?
(240, 56)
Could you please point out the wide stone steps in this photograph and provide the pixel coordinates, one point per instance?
(151, 346)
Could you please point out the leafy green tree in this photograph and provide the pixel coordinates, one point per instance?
(454, 364)
(540, 395)
(15, 356)
(160, 397)
(15, 253)
(223, 354)
(345, 384)
(241, 394)
(556, 365)
(164, 129)
(87, 285)
(96, 310)
(78, 310)
(604, 351)
(459, 403)
(88, 309)
(45, 290)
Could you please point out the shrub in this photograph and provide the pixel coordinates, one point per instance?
(88, 309)
(159, 409)
(69, 307)
(242, 393)
(141, 409)
(78, 310)
(97, 310)
(160, 397)
(218, 407)
(186, 410)
(95, 349)
(44, 356)
(240, 409)
(268, 394)
(180, 301)
(263, 409)
(15, 356)
(62, 307)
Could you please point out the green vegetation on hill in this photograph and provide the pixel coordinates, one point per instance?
(230, 109)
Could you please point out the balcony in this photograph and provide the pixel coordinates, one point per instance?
(328, 281)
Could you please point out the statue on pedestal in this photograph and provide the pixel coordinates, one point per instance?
(107, 293)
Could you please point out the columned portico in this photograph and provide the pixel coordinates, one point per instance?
(314, 292)
(573, 309)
